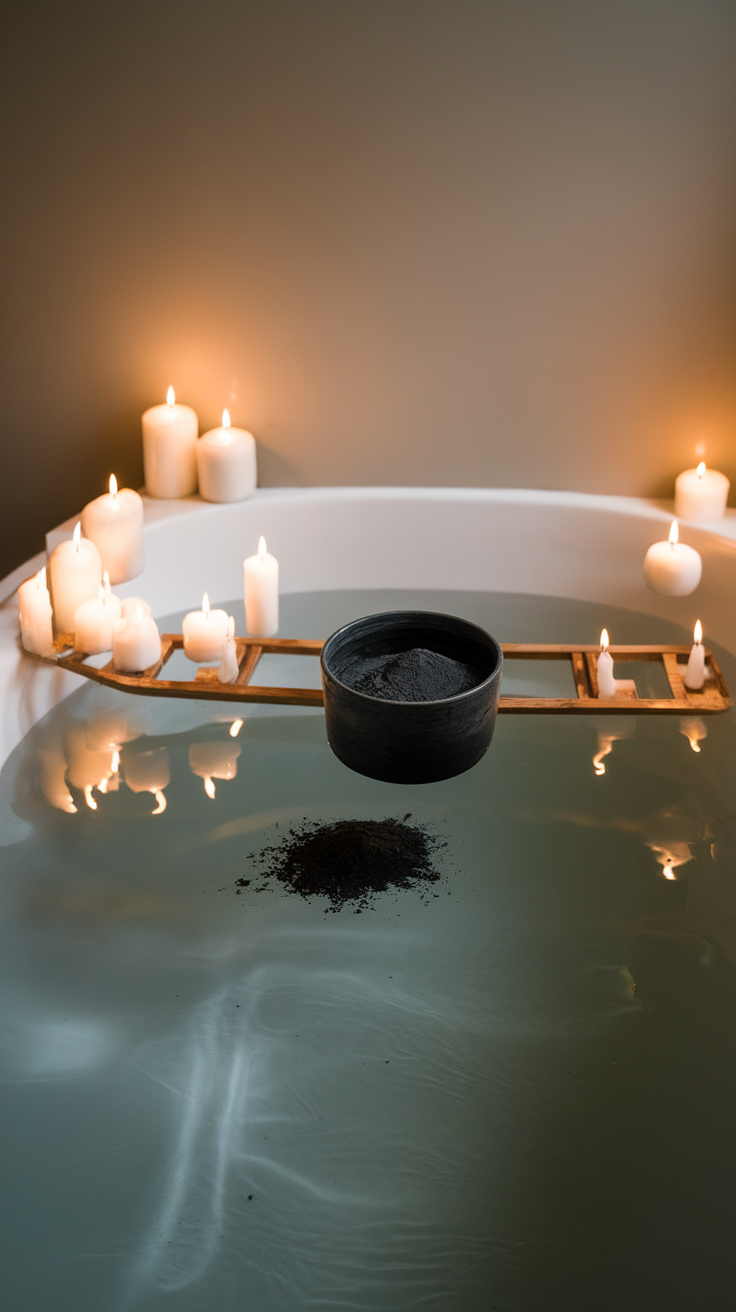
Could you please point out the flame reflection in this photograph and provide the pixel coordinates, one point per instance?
(695, 731)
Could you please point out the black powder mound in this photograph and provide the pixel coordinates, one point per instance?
(350, 861)
(417, 675)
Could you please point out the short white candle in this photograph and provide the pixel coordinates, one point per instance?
(695, 672)
(204, 632)
(93, 621)
(701, 494)
(226, 463)
(136, 643)
(261, 593)
(36, 622)
(169, 449)
(228, 671)
(131, 604)
(76, 574)
(114, 522)
(671, 568)
(606, 681)
(214, 761)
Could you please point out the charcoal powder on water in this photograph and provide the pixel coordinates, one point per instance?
(351, 861)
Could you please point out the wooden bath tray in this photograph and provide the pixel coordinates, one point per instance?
(206, 686)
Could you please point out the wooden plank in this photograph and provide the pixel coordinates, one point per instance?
(580, 674)
(206, 686)
(248, 665)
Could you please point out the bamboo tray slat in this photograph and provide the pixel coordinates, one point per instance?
(205, 686)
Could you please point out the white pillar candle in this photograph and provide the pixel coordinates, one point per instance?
(114, 522)
(228, 671)
(36, 623)
(261, 593)
(671, 568)
(169, 449)
(226, 463)
(607, 685)
(76, 574)
(205, 632)
(606, 681)
(695, 672)
(701, 494)
(214, 761)
(93, 621)
(136, 643)
(132, 604)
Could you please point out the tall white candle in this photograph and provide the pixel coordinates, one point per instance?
(606, 681)
(36, 615)
(169, 449)
(695, 672)
(93, 621)
(226, 463)
(114, 522)
(205, 632)
(261, 593)
(136, 642)
(228, 671)
(607, 685)
(76, 574)
(672, 568)
(701, 494)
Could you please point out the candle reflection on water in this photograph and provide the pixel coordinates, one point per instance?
(694, 730)
(214, 760)
(148, 772)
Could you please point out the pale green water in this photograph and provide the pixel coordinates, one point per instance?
(517, 1095)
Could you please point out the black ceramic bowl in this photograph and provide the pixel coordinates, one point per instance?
(410, 742)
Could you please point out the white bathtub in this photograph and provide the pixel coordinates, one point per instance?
(507, 540)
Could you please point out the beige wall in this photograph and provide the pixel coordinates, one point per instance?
(405, 241)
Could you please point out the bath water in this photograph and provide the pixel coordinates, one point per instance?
(513, 1089)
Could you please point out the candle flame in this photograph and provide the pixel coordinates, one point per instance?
(206, 606)
(209, 787)
(262, 548)
(170, 397)
(76, 535)
(604, 639)
(113, 486)
(698, 631)
(700, 469)
(226, 418)
(235, 728)
(674, 536)
(230, 627)
(89, 799)
(41, 578)
(161, 802)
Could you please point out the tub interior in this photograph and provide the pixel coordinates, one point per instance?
(510, 1089)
